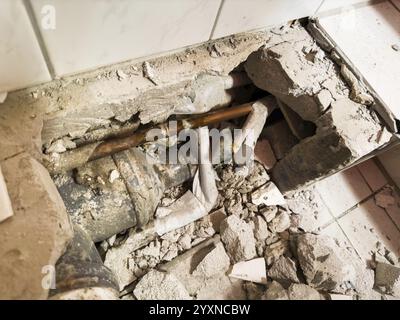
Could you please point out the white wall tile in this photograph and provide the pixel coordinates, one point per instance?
(366, 36)
(240, 15)
(21, 60)
(92, 33)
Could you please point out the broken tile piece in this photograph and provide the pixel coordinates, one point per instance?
(238, 239)
(252, 270)
(156, 285)
(214, 263)
(268, 195)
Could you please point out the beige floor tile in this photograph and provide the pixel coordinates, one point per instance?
(372, 174)
(333, 230)
(368, 224)
(343, 190)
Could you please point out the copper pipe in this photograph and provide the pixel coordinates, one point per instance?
(71, 159)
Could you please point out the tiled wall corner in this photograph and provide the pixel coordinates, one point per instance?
(21, 60)
(239, 16)
(90, 33)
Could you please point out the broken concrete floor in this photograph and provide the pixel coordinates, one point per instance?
(256, 243)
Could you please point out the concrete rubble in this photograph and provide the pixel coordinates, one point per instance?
(253, 232)
(238, 238)
(156, 285)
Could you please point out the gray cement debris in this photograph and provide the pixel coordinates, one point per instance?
(328, 266)
(299, 291)
(284, 271)
(260, 228)
(275, 250)
(345, 133)
(275, 291)
(358, 93)
(280, 223)
(269, 213)
(216, 262)
(238, 239)
(156, 285)
(292, 74)
(387, 279)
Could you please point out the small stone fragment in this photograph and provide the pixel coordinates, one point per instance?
(396, 47)
(268, 195)
(114, 175)
(299, 291)
(260, 229)
(275, 291)
(275, 250)
(334, 296)
(214, 263)
(324, 98)
(156, 285)
(252, 270)
(284, 271)
(269, 213)
(280, 223)
(238, 239)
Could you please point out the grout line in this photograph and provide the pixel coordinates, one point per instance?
(319, 7)
(36, 29)
(391, 1)
(216, 19)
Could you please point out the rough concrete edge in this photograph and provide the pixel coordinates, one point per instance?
(380, 107)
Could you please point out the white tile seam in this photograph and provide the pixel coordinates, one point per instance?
(216, 19)
(39, 38)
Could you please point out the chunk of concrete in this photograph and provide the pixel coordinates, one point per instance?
(216, 262)
(268, 195)
(328, 266)
(238, 239)
(345, 133)
(387, 278)
(275, 291)
(293, 74)
(252, 270)
(284, 271)
(157, 285)
(260, 228)
(38, 233)
(280, 223)
(219, 286)
(299, 291)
